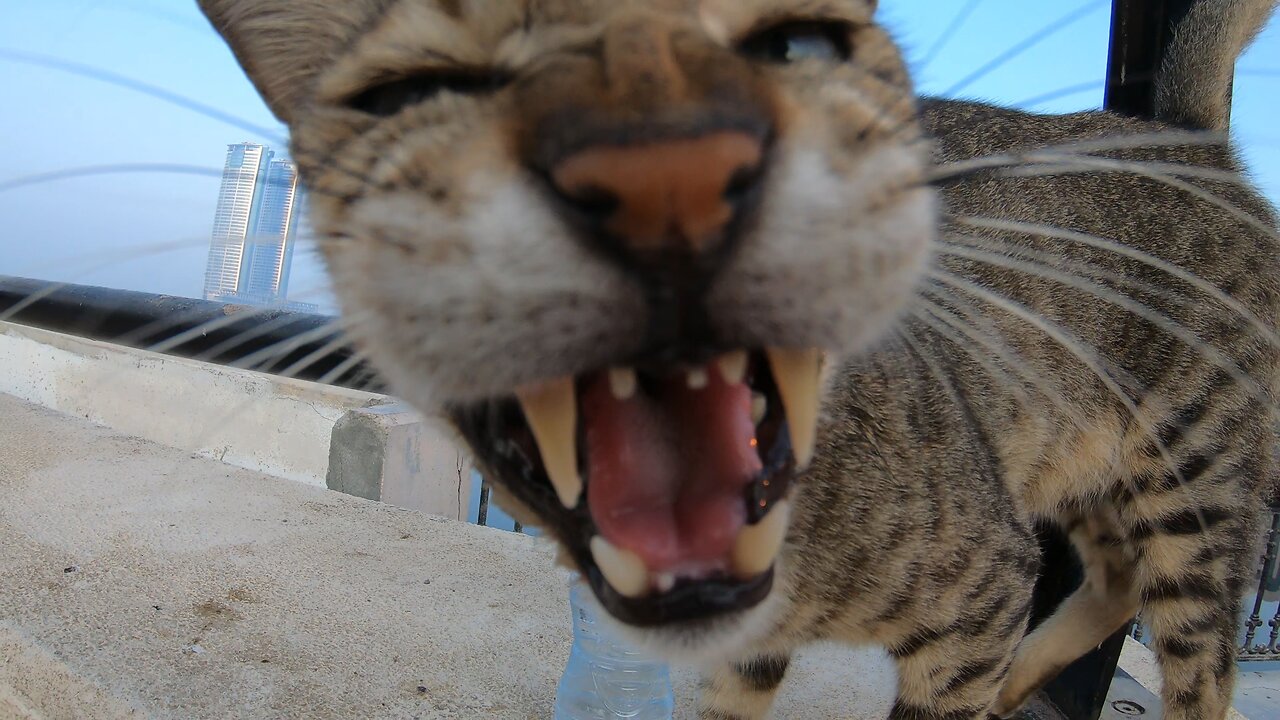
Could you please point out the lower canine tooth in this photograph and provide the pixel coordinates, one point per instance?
(796, 373)
(664, 581)
(622, 569)
(552, 412)
(757, 545)
(759, 408)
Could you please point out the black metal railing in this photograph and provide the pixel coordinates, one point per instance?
(1258, 643)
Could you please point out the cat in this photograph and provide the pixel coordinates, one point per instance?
(778, 351)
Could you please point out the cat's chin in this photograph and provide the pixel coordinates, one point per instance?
(708, 642)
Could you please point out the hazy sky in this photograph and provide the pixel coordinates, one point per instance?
(149, 231)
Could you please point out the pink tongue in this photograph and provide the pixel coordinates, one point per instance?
(666, 474)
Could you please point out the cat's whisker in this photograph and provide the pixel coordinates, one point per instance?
(1032, 40)
(1202, 194)
(1084, 269)
(1062, 92)
(948, 322)
(343, 368)
(310, 359)
(1207, 350)
(998, 375)
(100, 170)
(128, 83)
(1035, 229)
(1096, 365)
(1049, 163)
(952, 28)
(264, 358)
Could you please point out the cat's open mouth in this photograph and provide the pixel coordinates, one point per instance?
(668, 485)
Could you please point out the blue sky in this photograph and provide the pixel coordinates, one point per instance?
(110, 230)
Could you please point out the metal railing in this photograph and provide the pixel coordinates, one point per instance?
(1267, 594)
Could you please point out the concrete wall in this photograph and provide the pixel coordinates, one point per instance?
(268, 424)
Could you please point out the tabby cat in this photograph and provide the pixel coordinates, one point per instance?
(778, 351)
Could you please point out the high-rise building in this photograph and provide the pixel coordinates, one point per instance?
(232, 219)
(270, 246)
(254, 228)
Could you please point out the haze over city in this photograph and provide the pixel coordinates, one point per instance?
(150, 229)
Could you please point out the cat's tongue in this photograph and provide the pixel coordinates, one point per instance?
(667, 470)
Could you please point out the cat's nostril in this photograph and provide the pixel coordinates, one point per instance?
(594, 203)
(743, 184)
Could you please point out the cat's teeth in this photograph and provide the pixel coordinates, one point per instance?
(757, 545)
(697, 378)
(663, 582)
(552, 411)
(759, 408)
(622, 381)
(796, 373)
(622, 569)
(733, 367)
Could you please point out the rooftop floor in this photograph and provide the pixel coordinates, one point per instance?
(143, 582)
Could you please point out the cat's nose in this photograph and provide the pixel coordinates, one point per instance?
(668, 206)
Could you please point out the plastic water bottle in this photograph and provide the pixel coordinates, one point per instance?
(605, 679)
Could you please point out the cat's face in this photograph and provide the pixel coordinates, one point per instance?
(612, 240)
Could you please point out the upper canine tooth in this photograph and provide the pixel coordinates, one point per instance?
(796, 373)
(622, 381)
(622, 569)
(734, 366)
(757, 545)
(552, 412)
(697, 378)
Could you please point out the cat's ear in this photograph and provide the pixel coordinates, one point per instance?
(283, 45)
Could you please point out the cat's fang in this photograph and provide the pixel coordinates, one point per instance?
(757, 545)
(622, 569)
(733, 366)
(551, 410)
(623, 383)
(797, 373)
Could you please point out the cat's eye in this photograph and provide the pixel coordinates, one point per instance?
(388, 98)
(796, 41)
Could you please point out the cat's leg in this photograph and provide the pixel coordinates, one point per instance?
(1106, 600)
(743, 691)
(1190, 573)
(955, 672)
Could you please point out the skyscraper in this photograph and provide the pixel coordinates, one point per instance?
(270, 246)
(254, 228)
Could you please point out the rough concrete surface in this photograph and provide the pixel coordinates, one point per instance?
(137, 581)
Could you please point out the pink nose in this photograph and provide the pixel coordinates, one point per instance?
(665, 196)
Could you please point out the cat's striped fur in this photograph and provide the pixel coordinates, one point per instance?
(1084, 334)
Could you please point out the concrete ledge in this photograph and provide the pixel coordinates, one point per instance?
(391, 454)
(250, 420)
(286, 428)
(142, 582)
